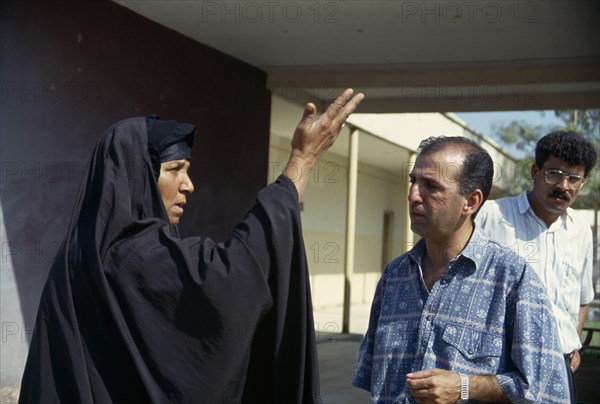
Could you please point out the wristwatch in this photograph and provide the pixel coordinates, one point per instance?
(464, 387)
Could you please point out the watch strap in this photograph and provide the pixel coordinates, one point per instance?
(464, 386)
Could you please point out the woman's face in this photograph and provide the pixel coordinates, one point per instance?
(175, 185)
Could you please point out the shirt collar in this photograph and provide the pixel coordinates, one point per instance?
(474, 251)
(416, 253)
(475, 248)
(523, 203)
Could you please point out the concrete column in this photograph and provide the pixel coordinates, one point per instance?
(350, 224)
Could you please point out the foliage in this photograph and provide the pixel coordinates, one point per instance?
(524, 136)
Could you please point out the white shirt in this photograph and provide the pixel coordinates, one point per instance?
(560, 254)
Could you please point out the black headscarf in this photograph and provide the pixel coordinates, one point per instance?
(130, 314)
(168, 140)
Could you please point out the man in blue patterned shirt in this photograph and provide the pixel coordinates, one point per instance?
(458, 316)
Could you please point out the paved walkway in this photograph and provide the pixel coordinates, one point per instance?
(337, 353)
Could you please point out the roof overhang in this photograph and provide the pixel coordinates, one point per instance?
(407, 56)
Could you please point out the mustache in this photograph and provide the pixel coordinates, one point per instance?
(413, 208)
(557, 193)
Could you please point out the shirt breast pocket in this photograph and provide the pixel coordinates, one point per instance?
(571, 283)
(478, 348)
(572, 266)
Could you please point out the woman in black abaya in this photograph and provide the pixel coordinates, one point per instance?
(133, 314)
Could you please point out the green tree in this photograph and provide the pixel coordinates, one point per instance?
(523, 136)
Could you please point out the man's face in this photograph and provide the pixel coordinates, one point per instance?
(434, 203)
(174, 185)
(554, 199)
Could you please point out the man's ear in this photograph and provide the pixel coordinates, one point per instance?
(473, 201)
(534, 171)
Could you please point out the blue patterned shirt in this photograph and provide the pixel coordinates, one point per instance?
(487, 314)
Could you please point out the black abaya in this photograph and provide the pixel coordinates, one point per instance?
(131, 314)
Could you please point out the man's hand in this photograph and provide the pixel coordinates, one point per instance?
(434, 386)
(443, 386)
(575, 360)
(314, 136)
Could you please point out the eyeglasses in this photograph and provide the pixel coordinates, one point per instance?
(556, 177)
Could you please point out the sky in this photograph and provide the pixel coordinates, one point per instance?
(482, 122)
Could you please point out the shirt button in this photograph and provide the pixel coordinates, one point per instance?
(471, 352)
(443, 281)
(429, 317)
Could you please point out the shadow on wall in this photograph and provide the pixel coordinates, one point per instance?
(75, 68)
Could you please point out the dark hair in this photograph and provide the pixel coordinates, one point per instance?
(477, 171)
(568, 146)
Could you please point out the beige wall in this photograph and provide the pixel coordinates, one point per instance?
(324, 218)
(324, 226)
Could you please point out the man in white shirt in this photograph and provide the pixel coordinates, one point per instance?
(557, 243)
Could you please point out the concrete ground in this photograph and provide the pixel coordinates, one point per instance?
(337, 353)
